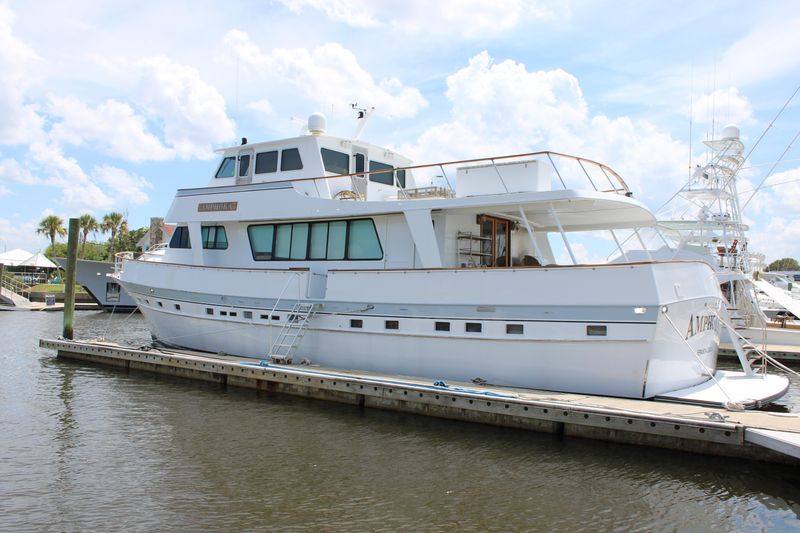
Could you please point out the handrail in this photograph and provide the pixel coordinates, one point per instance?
(487, 159)
(608, 171)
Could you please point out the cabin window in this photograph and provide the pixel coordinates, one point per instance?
(392, 324)
(336, 162)
(247, 314)
(442, 326)
(227, 168)
(356, 323)
(244, 165)
(514, 329)
(180, 239)
(318, 246)
(299, 241)
(290, 159)
(473, 327)
(261, 241)
(337, 236)
(209, 310)
(363, 242)
(267, 162)
(214, 237)
(320, 241)
(283, 241)
(177, 307)
(387, 178)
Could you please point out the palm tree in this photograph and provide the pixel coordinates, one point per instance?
(114, 223)
(51, 226)
(87, 223)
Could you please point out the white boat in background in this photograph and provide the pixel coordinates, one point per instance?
(343, 253)
(703, 222)
(95, 277)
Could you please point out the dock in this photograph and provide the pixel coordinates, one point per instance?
(752, 435)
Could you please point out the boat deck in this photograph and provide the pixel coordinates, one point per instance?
(757, 435)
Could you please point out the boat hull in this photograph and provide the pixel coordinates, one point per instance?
(659, 312)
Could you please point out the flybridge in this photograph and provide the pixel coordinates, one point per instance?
(324, 166)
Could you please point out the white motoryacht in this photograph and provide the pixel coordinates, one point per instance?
(344, 254)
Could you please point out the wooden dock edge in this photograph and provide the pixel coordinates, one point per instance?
(568, 419)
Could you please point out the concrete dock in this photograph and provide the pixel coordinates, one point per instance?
(755, 435)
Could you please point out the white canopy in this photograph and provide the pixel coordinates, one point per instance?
(14, 257)
(39, 261)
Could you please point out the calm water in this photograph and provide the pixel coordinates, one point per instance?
(90, 448)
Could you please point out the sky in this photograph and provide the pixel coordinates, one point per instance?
(113, 106)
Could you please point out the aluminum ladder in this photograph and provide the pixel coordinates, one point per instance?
(292, 332)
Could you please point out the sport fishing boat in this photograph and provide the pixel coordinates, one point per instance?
(342, 253)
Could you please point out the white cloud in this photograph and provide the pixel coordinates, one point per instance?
(767, 52)
(15, 233)
(112, 127)
(191, 111)
(465, 18)
(329, 74)
(503, 108)
(351, 12)
(126, 188)
(19, 70)
(261, 106)
(723, 106)
(11, 170)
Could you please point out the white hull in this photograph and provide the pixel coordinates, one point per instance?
(641, 355)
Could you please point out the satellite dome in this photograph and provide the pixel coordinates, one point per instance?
(316, 124)
(730, 132)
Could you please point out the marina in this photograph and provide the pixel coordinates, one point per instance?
(361, 266)
(86, 442)
(700, 427)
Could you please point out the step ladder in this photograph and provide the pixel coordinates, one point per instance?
(291, 333)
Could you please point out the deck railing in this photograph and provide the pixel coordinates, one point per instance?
(437, 180)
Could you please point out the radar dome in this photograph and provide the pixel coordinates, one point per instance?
(316, 124)
(730, 132)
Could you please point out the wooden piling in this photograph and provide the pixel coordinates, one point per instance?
(69, 283)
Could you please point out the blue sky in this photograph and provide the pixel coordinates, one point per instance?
(114, 105)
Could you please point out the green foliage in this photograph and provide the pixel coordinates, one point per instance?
(86, 224)
(787, 263)
(114, 223)
(95, 251)
(52, 226)
(126, 242)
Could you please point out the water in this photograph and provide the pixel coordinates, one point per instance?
(91, 448)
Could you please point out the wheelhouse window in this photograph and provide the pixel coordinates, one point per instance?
(267, 162)
(214, 237)
(261, 241)
(387, 178)
(290, 159)
(334, 240)
(336, 162)
(244, 165)
(180, 239)
(227, 168)
(363, 241)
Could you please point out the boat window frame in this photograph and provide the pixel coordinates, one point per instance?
(311, 224)
(216, 243)
(283, 158)
(273, 167)
(182, 244)
(222, 165)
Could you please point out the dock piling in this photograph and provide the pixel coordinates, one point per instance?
(69, 283)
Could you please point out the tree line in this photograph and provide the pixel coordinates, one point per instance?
(115, 224)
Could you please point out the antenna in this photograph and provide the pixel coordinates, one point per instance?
(691, 115)
(362, 115)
